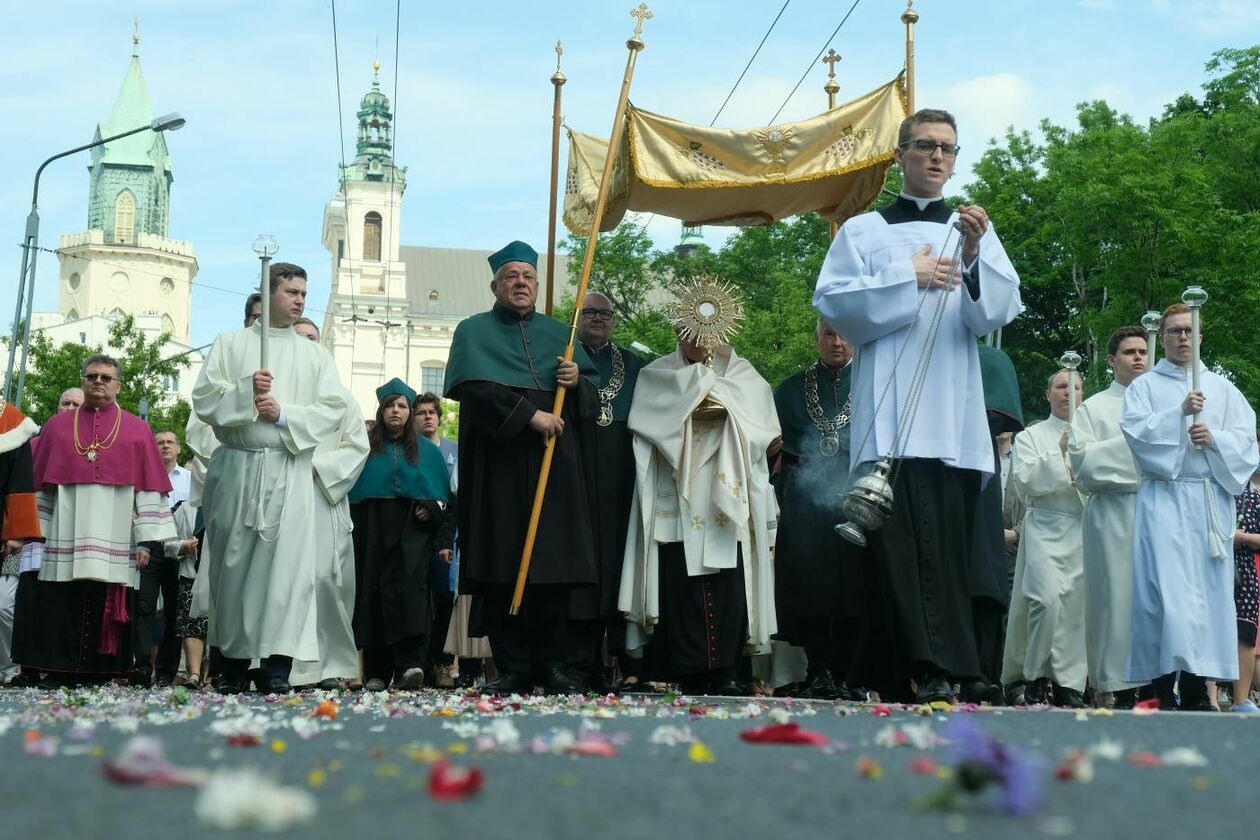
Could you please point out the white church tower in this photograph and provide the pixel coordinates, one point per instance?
(365, 328)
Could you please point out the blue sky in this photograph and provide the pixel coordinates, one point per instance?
(473, 105)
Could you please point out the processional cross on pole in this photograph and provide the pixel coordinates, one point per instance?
(640, 15)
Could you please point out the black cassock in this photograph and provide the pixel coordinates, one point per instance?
(499, 464)
(608, 455)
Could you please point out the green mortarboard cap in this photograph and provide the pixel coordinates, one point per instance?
(395, 387)
(516, 251)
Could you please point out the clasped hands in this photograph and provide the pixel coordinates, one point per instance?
(933, 272)
(265, 404)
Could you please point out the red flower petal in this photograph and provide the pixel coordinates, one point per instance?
(783, 733)
(1145, 760)
(244, 739)
(882, 711)
(924, 765)
(449, 782)
(602, 749)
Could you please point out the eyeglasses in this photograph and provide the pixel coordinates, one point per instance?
(1177, 332)
(927, 147)
(99, 377)
(592, 314)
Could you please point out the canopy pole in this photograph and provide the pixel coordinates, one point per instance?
(634, 45)
(910, 17)
(558, 79)
(832, 88)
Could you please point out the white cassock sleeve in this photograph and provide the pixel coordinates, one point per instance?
(998, 302)
(1037, 471)
(309, 424)
(338, 462)
(861, 306)
(1100, 465)
(221, 397)
(1233, 455)
(1157, 439)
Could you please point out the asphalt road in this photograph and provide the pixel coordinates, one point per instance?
(368, 769)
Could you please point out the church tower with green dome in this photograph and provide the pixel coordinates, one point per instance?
(124, 263)
(368, 304)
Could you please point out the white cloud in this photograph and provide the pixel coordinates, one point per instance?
(1215, 18)
(986, 105)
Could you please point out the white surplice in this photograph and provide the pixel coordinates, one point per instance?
(705, 484)
(1108, 478)
(338, 462)
(867, 290)
(200, 438)
(1183, 528)
(259, 498)
(1045, 628)
(91, 530)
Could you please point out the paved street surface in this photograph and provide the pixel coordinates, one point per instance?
(639, 767)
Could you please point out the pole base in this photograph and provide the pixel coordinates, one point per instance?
(852, 532)
(515, 609)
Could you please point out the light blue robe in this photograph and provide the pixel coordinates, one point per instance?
(1183, 560)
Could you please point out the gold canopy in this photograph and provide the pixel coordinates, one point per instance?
(833, 163)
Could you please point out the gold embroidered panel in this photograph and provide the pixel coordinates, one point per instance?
(833, 163)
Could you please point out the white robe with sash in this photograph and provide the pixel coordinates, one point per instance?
(705, 484)
(1108, 478)
(1045, 629)
(338, 462)
(259, 499)
(1183, 556)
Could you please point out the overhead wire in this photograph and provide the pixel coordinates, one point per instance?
(344, 246)
(387, 235)
(814, 61)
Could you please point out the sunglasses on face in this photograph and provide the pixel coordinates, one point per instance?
(98, 377)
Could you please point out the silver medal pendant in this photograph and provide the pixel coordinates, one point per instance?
(829, 445)
(605, 415)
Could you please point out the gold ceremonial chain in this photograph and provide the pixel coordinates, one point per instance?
(609, 392)
(96, 445)
(830, 443)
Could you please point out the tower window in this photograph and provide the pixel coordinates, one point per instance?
(431, 377)
(125, 217)
(372, 237)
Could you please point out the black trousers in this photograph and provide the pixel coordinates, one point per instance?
(704, 619)
(161, 575)
(387, 662)
(535, 639)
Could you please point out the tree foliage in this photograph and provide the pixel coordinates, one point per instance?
(52, 368)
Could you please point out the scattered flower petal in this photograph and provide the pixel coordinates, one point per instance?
(449, 782)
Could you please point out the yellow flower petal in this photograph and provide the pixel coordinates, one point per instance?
(316, 777)
(700, 754)
(278, 747)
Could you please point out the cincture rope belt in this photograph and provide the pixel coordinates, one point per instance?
(255, 515)
(1217, 538)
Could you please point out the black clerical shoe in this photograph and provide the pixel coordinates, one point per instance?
(375, 684)
(555, 680)
(1126, 699)
(821, 685)
(228, 685)
(412, 679)
(509, 682)
(329, 684)
(26, 679)
(981, 691)
(1038, 692)
(276, 685)
(726, 687)
(934, 688)
(139, 678)
(1067, 698)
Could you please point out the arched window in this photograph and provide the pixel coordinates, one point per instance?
(168, 325)
(125, 217)
(72, 315)
(116, 314)
(372, 237)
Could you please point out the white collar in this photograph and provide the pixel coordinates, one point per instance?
(920, 202)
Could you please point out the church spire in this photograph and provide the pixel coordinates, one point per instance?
(374, 148)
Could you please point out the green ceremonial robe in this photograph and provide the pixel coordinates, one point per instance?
(502, 369)
(818, 574)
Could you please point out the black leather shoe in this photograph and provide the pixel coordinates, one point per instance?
(1038, 692)
(139, 679)
(1016, 693)
(821, 685)
(934, 688)
(26, 679)
(509, 682)
(555, 680)
(329, 684)
(726, 687)
(1068, 698)
(277, 685)
(981, 691)
(228, 685)
(1126, 699)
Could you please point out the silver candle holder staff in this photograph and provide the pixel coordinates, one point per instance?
(1194, 297)
(1150, 322)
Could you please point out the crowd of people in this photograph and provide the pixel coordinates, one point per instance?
(687, 533)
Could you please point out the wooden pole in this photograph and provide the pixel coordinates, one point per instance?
(634, 45)
(558, 79)
(910, 17)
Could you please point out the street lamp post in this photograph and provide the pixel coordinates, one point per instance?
(265, 246)
(30, 250)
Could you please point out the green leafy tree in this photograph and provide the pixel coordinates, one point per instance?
(620, 268)
(54, 368)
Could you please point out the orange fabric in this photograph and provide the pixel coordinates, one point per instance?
(21, 517)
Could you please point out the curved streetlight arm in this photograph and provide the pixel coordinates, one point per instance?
(76, 150)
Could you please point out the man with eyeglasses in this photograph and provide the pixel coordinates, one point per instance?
(609, 454)
(877, 272)
(103, 507)
(1196, 451)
